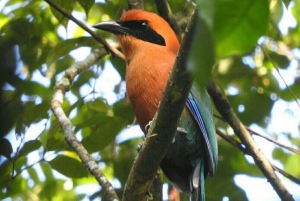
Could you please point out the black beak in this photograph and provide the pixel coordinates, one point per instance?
(138, 29)
(114, 27)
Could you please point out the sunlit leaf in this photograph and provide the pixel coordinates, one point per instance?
(99, 104)
(238, 25)
(66, 46)
(104, 131)
(68, 166)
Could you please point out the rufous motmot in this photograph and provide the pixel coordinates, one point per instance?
(150, 47)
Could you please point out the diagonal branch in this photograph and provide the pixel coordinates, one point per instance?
(263, 164)
(87, 29)
(135, 4)
(291, 149)
(239, 146)
(60, 89)
(165, 12)
(161, 132)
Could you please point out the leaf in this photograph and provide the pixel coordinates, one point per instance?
(66, 5)
(276, 12)
(64, 47)
(33, 174)
(202, 57)
(281, 60)
(104, 131)
(36, 112)
(256, 106)
(99, 104)
(68, 166)
(46, 168)
(5, 148)
(286, 3)
(238, 25)
(29, 146)
(86, 5)
(207, 11)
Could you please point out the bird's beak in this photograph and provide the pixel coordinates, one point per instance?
(114, 27)
(131, 28)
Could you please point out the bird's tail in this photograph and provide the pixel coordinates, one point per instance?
(197, 182)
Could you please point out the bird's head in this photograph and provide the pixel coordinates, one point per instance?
(139, 29)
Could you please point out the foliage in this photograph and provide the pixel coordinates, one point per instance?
(36, 46)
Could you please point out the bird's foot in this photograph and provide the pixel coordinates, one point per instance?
(148, 126)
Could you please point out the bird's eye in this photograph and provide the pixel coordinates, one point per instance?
(144, 25)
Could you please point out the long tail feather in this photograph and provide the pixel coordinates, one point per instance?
(197, 182)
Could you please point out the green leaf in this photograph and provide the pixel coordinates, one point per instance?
(5, 148)
(46, 168)
(239, 24)
(276, 12)
(207, 11)
(257, 106)
(68, 166)
(104, 131)
(29, 146)
(86, 5)
(286, 3)
(66, 5)
(64, 48)
(33, 174)
(202, 57)
(36, 112)
(281, 60)
(99, 104)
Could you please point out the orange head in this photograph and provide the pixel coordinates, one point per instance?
(145, 26)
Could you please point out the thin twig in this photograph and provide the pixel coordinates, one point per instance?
(87, 29)
(296, 151)
(239, 146)
(273, 140)
(60, 89)
(284, 173)
(276, 68)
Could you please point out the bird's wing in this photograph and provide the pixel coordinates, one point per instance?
(201, 110)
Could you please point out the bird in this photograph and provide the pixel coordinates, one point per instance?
(150, 47)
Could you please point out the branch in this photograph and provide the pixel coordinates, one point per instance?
(291, 149)
(263, 164)
(98, 38)
(135, 4)
(161, 133)
(239, 146)
(165, 12)
(60, 89)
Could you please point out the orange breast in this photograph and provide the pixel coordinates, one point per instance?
(146, 79)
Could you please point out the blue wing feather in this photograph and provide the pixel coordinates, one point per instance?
(197, 111)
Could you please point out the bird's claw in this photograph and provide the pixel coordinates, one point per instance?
(148, 126)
